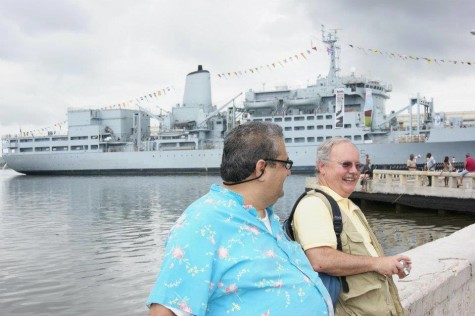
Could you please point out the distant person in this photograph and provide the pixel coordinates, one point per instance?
(468, 166)
(430, 165)
(368, 273)
(368, 168)
(411, 163)
(227, 254)
(364, 182)
(446, 168)
(366, 174)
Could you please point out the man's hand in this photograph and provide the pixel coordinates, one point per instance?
(391, 265)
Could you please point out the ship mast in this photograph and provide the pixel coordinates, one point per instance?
(330, 38)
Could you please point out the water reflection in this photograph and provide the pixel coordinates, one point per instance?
(93, 245)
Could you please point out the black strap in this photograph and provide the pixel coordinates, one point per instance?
(337, 225)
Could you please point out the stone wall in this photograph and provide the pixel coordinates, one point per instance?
(441, 281)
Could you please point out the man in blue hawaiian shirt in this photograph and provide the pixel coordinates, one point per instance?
(227, 253)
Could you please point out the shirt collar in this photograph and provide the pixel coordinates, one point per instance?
(336, 196)
(240, 199)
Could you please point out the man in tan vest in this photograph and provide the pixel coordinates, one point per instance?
(367, 271)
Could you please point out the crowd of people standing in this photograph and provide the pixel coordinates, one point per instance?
(447, 166)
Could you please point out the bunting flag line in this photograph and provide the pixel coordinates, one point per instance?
(410, 57)
(300, 56)
(304, 54)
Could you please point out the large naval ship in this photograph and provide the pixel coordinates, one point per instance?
(190, 136)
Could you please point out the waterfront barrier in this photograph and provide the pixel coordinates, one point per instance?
(418, 178)
(410, 188)
(441, 281)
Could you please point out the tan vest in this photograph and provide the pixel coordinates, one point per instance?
(370, 293)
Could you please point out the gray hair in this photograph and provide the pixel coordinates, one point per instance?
(325, 149)
(245, 145)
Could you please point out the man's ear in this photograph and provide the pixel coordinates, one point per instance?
(321, 166)
(260, 167)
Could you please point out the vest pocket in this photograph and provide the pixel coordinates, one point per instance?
(361, 284)
(353, 243)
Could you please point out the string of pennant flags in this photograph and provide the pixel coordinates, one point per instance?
(303, 55)
(51, 130)
(411, 57)
(299, 56)
(146, 97)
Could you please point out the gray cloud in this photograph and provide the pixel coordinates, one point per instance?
(55, 54)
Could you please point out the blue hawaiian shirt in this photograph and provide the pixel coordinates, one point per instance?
(220, 259)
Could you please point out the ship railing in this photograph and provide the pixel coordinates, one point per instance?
(420, 178)
(412, 139)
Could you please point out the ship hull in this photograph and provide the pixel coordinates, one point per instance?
(208, 161)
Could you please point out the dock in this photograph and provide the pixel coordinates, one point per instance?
(410, 188)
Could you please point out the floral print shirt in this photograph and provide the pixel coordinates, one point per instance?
(220, 259)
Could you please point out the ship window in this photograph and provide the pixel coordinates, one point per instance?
(288, 140)
(329, 126)
(94, 137)
(94, 146)
(299, 118)
(77, 148)
(78, 137)
(26, 150)
(357, 137)
(26, 140)
(41, 148)
(299, 128)
(288, 119)
(288, 128)
(59, 138)
(60, 148)
(328, 137)
(42, 139)
(268, 120)
(329, 117)
(319, 126)
(221, 122)
(310, 127)
(299, 139)
(320, 139)
(347, 125)
(310, 118)
(277, 119)
(257, 120)
(311, 139)
(320, 117)
(348, 137)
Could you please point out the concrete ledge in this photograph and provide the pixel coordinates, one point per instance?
(441, 281)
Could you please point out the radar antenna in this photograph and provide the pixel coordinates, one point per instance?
(330, 38)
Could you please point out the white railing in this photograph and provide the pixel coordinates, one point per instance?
(420, 178)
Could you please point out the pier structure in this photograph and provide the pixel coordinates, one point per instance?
(410, 188)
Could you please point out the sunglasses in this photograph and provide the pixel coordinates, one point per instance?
(349, 164)
(286, 163)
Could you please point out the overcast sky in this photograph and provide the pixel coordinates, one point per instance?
(56, 54)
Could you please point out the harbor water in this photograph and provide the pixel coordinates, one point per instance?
(93, 245)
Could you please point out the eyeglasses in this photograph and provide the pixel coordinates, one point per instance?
(349, 164)
(287, 163)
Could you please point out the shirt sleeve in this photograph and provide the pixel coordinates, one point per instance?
(313, 224)
(185, 274)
